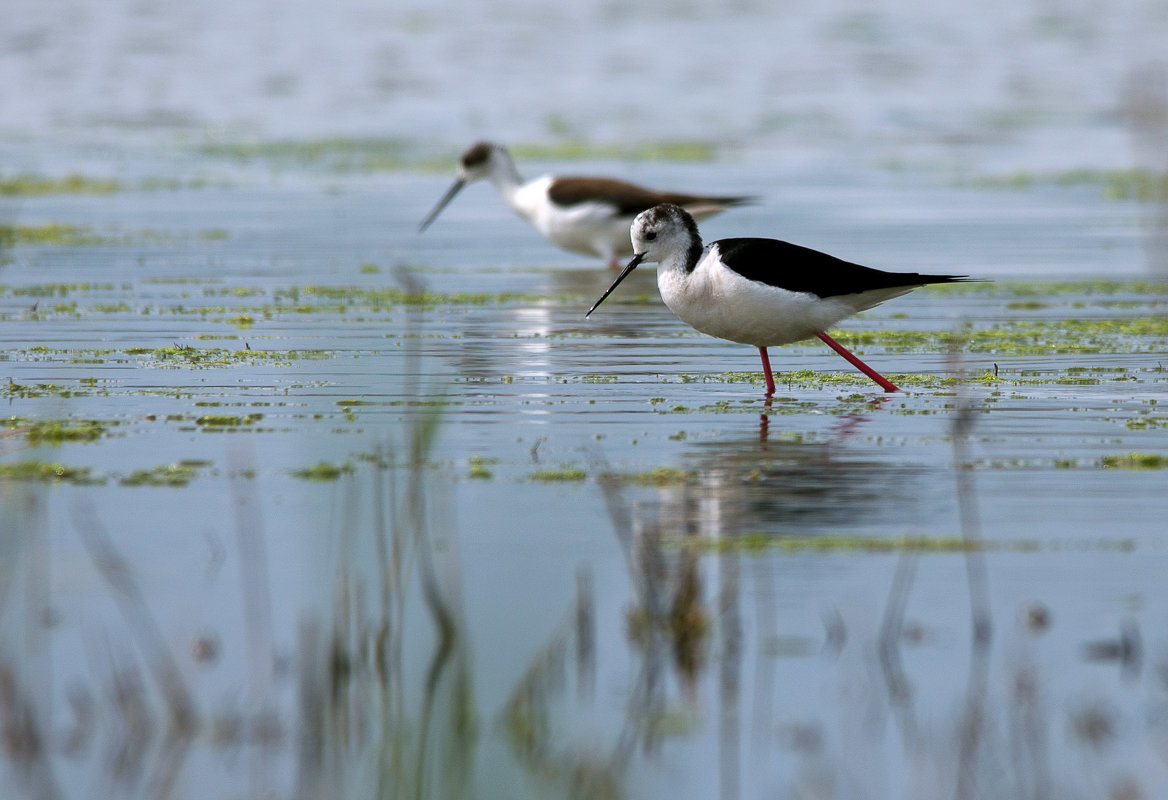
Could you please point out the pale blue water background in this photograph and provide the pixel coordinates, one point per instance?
(865, 131)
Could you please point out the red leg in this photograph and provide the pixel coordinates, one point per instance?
(885, 384)
(766, 370)
(614, 263)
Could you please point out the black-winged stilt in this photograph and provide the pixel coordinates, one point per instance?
(761, 292)
(581, 215)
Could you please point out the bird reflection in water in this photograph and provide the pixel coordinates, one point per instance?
(849, 422)
(685, 621)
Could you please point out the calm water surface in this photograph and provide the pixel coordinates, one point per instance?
(340, 538)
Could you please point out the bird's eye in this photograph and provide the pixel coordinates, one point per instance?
(651, 235)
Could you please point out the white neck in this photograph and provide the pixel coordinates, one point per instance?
(679, 260)
(505, 177)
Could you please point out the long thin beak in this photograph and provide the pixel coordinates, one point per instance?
(632, 265)
(446, 198)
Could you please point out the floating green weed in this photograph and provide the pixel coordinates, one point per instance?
(175, 475)
(814, 379)
(1146, 423)
(365, 154)
(58, 289)
(1021, 337)
(35, 185)
(579, 149)
(47, 472)
(188, 356)
(339, 154)
(171, 475)
(169, 356)
(322, 471)
(24, 390)
(1135, 461)
(658, 477)
(392, 296)
(1114, 184)
(179, 280)
(1051, 289)
(67, 234)
(479, 467)
(30, 185)
(49, 233)
(219, 421)
(54, 432)
(559, 475)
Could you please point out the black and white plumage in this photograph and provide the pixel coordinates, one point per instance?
(579, 214)
(761, 292)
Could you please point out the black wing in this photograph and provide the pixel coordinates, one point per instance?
(801, 269)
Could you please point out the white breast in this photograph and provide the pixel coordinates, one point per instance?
(588, 228)
(718, 301)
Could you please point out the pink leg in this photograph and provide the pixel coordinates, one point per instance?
(885, 384)
(614, 263)
(766, 370)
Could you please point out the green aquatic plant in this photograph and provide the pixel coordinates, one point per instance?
(480, 467)
(32, 185)
(366, 154)
(174, 476)
(580, 149)
(1135, 461)
(48, 472)
(659, 477)
(54, 432)
(1021, 337)
(337, 154)
(1146, 423)
(12, 389)
(189, 356)
(815, 379)
(73, 183)
(322, 471)
(1114, 184)
(227, 420)
(68, 234)
(49, 233)
(564, 474)
(60, 289)
(381, 297)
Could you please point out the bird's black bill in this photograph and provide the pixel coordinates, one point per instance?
(632, 265)
(446, 198)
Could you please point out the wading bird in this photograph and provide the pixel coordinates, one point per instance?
(582, 215)
(761, 292)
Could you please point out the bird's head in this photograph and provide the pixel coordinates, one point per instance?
(481, 160)
(658, 234)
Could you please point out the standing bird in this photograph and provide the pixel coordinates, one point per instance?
(760, 292)
(582, 215)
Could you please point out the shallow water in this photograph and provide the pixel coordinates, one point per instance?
(339, 538)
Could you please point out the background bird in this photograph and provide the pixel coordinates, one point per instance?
(582, 215)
